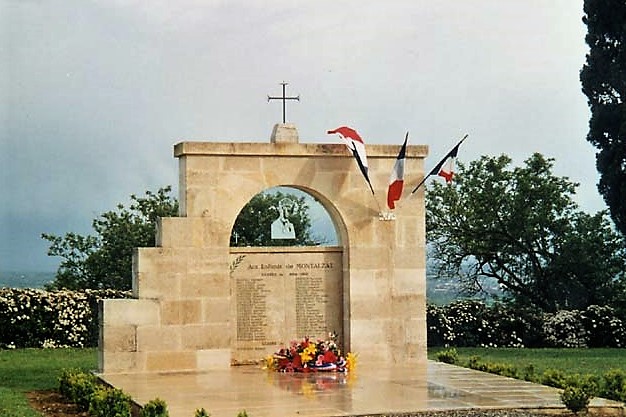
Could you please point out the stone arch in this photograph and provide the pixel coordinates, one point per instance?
(180, 317)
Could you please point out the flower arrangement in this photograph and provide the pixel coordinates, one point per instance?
(309, 356)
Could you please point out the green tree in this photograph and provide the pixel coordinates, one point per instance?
(104, 260)
(521, 228)
(254, 223)
(603, 79)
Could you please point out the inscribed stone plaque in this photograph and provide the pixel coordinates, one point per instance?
(282, 294)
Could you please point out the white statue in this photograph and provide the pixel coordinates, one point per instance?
(282, 228)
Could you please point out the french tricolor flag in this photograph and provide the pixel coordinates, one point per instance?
(396, 180)
(357, 146)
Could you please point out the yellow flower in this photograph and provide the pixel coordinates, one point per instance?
(351, 362)
(269, 362)
(308, 353)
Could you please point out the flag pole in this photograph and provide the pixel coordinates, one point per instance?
(435, 170)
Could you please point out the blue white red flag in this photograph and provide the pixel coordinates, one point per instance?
(396, 180)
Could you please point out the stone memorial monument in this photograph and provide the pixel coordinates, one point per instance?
(200, 304)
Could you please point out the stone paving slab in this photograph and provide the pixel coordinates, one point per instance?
(430, 387)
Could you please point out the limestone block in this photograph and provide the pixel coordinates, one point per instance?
(213, 232)
(208, 359)
(175, 312)
(330, 184)
(284, 133)
(200, 261)
(407, 305)
(151, 260)
(370, 308)
(365, 331)
(409, 281)
(335, 165)
(369, 258)
(408, 233)
(206, 336)
(120, 312)
(200, 201)
(209, 284)
(158, 338)
(407, 258)
(242, 164)
(157, 285)
(216, 310)
(176, 232)
(119, 338)
(416, 330)
(170, 361)
(119, 362)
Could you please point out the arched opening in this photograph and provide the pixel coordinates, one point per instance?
(284, 216)
(286, 273)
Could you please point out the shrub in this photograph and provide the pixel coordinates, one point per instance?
(474, 362)
(49, 319)
(109, 402)
(554, 378)
(467, 319)
(201, 412)
(439, 329)
(505, 327)
(155, 408)
(242, 413)
(78, 386)
(575, 398)
(564, 329)
(603, 327)
(614, 385)
(473, 323)
(528, 373)
(450, 356)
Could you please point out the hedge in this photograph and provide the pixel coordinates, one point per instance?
(471, 323)
(37, 318)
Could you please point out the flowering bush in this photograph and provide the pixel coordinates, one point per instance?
(564, 329)
(603, 327)
(309, 356)
(49, 319)
(440, 332)
(473, 323)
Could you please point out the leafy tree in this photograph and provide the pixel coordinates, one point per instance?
(521, 228)
(105, 260)
(603, 80)
(254, 223)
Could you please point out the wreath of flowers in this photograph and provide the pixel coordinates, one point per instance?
(309, 356)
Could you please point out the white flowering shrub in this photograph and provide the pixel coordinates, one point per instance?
(50, 319)
(603, 327)
(468, 321)
(565, 329)
(473, 323)
(439, 329)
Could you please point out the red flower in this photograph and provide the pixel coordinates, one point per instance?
(297, 362)
(329, 357)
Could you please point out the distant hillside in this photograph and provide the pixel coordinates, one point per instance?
(443, 291)
(25, 279)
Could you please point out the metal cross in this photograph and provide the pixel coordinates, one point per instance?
(236, 236)
(283, 98)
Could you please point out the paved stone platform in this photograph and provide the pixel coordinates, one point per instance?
(431, 387)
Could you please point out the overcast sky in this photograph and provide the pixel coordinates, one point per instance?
(95, 93)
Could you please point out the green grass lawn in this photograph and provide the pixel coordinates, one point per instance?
(571, 361)
(24, 370)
